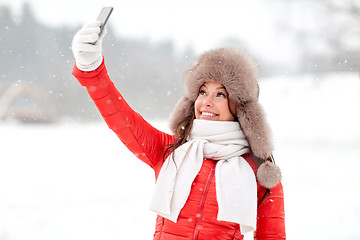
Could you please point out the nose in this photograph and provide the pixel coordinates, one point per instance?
(208, 101)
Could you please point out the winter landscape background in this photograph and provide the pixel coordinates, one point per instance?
(77, 181)
(66, 176)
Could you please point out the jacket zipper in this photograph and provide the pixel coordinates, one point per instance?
(202, 203)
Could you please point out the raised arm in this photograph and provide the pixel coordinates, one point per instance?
(145, 141)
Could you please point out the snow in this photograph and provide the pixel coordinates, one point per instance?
(77, 181)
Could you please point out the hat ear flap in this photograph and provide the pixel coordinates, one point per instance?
(181, 110)
(252, 121)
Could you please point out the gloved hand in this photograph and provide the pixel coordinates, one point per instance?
(88, 56)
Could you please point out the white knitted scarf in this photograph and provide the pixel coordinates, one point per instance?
(236, 188)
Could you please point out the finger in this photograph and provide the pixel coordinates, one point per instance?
(87, 47)
(102, 35)
(88, 38)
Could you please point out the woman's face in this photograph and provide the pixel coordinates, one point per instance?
(213, 103)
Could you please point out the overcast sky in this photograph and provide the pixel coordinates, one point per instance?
(201, 23)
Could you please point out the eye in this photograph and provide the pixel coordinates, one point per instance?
(221, 94)
(202, 92)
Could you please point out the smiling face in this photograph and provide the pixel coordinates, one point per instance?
(213, 103)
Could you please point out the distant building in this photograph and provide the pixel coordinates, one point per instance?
(25, 103)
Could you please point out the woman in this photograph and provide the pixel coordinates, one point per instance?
(215, 178)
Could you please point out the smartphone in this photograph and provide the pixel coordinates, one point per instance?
(103, 17)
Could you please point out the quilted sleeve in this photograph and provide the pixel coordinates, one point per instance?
(271, 214)
(145, 141)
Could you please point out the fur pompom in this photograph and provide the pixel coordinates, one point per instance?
(268, 174)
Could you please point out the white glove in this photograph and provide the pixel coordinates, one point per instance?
(88, 56)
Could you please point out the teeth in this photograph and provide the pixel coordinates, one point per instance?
(208, 114)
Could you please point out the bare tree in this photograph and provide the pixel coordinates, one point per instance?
(326, 33)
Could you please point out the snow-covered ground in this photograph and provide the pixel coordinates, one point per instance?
(76, 181)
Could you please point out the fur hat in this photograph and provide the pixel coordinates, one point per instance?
(237, 73)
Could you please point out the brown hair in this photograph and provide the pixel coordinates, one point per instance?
(182, 132)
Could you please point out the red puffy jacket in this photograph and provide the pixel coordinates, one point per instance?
(197, 219)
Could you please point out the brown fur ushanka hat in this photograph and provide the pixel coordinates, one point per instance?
(237, 73)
